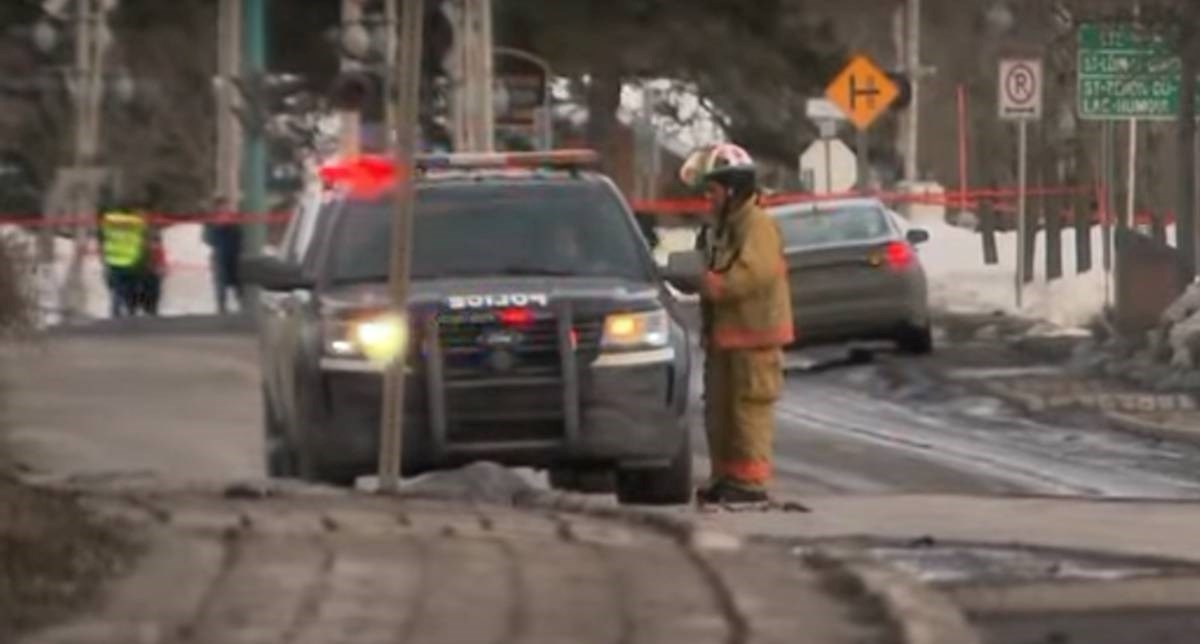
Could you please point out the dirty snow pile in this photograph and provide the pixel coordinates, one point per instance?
(960, 282)
(1167, 359)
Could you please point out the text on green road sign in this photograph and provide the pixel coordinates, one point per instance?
(1126, 72)
(1119, 37)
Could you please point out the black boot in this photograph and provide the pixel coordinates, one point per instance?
(726, 491)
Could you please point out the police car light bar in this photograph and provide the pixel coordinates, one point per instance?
(560, 159)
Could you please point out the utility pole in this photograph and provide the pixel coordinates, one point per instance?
(91, 44)
(229, 130)
(390, 43)
(254, 160)
(351, 130)
(406, 72)
(472, 109)
(1186, 229)
(913, 65)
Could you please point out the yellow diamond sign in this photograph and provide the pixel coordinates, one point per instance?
(863, 91)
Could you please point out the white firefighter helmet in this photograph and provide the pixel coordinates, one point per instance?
(716, 163)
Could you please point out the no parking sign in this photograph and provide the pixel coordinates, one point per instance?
(1020, 89)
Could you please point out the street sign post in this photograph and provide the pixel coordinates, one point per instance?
(1020, 93)
(826, 115)
(863, 92)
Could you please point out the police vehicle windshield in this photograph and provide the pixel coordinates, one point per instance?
(474, 230)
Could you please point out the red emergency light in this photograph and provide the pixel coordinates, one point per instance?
(373, 174)
(368, 173)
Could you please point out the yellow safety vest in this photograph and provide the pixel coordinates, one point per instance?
(124, 239)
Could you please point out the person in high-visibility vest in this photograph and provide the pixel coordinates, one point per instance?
(123, 249)
(747, 319)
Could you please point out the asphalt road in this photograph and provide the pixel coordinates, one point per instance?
(182, 400)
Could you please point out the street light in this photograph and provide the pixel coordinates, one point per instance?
(45, 36)
(356, 40)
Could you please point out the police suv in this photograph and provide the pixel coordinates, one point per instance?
(538, 330)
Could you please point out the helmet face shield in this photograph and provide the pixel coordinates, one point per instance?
(716, 163)
(695, 168)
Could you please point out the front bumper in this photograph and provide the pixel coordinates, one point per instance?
(620, 408)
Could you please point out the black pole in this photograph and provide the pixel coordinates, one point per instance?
(1186, 207)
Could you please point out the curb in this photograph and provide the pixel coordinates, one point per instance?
(914, 612)
(1149, 429)
(918, 613)
(922, 614)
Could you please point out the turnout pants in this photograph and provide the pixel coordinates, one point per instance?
(740, 389)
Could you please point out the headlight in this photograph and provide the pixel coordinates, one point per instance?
(380, 338)
(636, 330)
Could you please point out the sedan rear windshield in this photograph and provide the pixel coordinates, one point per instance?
(577, 229)
(834, 226)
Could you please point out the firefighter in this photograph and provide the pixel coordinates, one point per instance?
(123, 248)
(747, 320)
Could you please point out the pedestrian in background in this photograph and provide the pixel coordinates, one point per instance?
(124, 248)
(223, 234)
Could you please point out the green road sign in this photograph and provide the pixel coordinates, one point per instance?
(1125, 72)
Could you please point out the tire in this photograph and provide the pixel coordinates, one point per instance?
(416, 456)
(917, 341)
(589, 480)
(309, 465)
(278, 453)
(670, 485)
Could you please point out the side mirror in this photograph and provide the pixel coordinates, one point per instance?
(917, 236)
(273, 274)
(685, 270)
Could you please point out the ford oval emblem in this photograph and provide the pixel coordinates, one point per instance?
(500, 338)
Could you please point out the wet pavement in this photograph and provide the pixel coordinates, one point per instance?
(973, 490)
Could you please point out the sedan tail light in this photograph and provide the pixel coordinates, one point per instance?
(899, 255)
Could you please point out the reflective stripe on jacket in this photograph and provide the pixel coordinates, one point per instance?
(746, 287)
(123, 239)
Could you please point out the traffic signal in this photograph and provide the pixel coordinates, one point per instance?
(354, 89)
(266, 95)
(437, 40)
(904, 85)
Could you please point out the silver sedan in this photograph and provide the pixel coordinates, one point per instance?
(855, 274)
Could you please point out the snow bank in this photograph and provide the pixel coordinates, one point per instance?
(961, 282)
(187, 288)
(1181, 326)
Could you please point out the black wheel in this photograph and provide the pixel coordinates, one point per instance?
(416, 457)
(279, 456)
(588, 480)
(669, 485)
(309, 464)
(916, 340)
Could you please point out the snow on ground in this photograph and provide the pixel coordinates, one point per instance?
(953, 260)
(960, 282)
